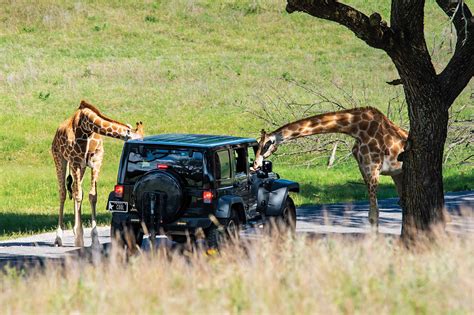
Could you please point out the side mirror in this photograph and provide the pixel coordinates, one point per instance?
(267, 166)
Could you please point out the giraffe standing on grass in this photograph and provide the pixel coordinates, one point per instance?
(78, 143)
(378, 143)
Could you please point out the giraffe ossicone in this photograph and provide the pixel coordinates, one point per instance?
(378, 142)
(78, 144)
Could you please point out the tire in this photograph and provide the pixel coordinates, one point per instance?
(154, 184)
(227, 232)
(128, 235)
(289, 215)
(286, 221)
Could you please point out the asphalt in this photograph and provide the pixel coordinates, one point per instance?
(340, 218)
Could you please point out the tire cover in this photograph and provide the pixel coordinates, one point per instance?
(166, 188)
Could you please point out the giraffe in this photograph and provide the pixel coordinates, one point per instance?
(378, 143)
(78, 144)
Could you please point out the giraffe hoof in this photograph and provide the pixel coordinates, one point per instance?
(374, 228)
(79, 242)
(58, 242)
(95, 243)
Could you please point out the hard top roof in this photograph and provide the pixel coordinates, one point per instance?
(193, 140)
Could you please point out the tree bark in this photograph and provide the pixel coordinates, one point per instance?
(422, 196)
(428, 94)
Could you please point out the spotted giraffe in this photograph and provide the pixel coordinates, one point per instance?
(378, 142)
(78, 143)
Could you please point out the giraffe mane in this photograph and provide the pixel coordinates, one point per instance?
(84, 104)
(329, 114)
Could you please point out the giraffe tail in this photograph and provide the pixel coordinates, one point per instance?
(69, 186)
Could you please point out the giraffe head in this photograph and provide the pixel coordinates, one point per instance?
(266, 146)
(94, 121)
(138, 132)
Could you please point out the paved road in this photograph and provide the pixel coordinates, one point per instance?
(323, 219)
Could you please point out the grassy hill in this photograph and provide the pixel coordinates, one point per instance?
(179, 66)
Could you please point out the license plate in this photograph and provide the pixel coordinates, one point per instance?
(118, 206)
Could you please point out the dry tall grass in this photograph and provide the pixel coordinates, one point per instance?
(297, 276)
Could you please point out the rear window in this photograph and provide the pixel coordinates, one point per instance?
(144, 158)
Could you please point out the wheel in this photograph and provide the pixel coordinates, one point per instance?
(155, 188)
(286, 221)
(128, 235)
(227, 231)
(289, 215)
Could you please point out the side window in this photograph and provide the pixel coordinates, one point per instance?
(252, 152)
(240, 161)
(222, 164)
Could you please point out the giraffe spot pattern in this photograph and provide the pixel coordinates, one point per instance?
(363, 125)
(373, 127)
(378, 140)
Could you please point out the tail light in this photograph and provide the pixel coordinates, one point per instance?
(162, 166)
(118, 191)
(207, 196)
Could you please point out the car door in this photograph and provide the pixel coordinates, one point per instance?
(223, 171)
(240, 171)
(254, 181)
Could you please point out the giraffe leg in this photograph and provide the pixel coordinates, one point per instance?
(61, 166)
(93, 202)
(370, 174)
(77, 173)
(372, 185)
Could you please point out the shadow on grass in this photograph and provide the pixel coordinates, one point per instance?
(353, 191)
(357, 191)
(15, 223)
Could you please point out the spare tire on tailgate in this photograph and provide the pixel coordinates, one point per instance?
(161, 191)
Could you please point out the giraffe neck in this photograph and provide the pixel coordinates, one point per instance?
(345, 121)
(93, 121)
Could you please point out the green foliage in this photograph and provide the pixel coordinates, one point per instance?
(151, 19)
(44, 95)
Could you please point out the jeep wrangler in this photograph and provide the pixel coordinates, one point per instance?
(179, 184)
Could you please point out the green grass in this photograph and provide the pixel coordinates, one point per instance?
(179, 66)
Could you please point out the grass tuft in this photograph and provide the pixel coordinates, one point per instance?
(329, 275)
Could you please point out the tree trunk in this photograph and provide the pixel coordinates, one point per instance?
(428, 94)
(422, 199)
(423, 196)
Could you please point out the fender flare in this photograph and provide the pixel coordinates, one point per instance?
(272, 198)
(291, 185)
(225, 204)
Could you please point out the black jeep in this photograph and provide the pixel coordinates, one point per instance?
(179, 184)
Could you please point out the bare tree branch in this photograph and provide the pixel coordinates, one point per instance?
(460, 68)
(373, 30)
(395, 82)
(460, 16)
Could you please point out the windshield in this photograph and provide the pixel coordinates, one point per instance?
(185, 162)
